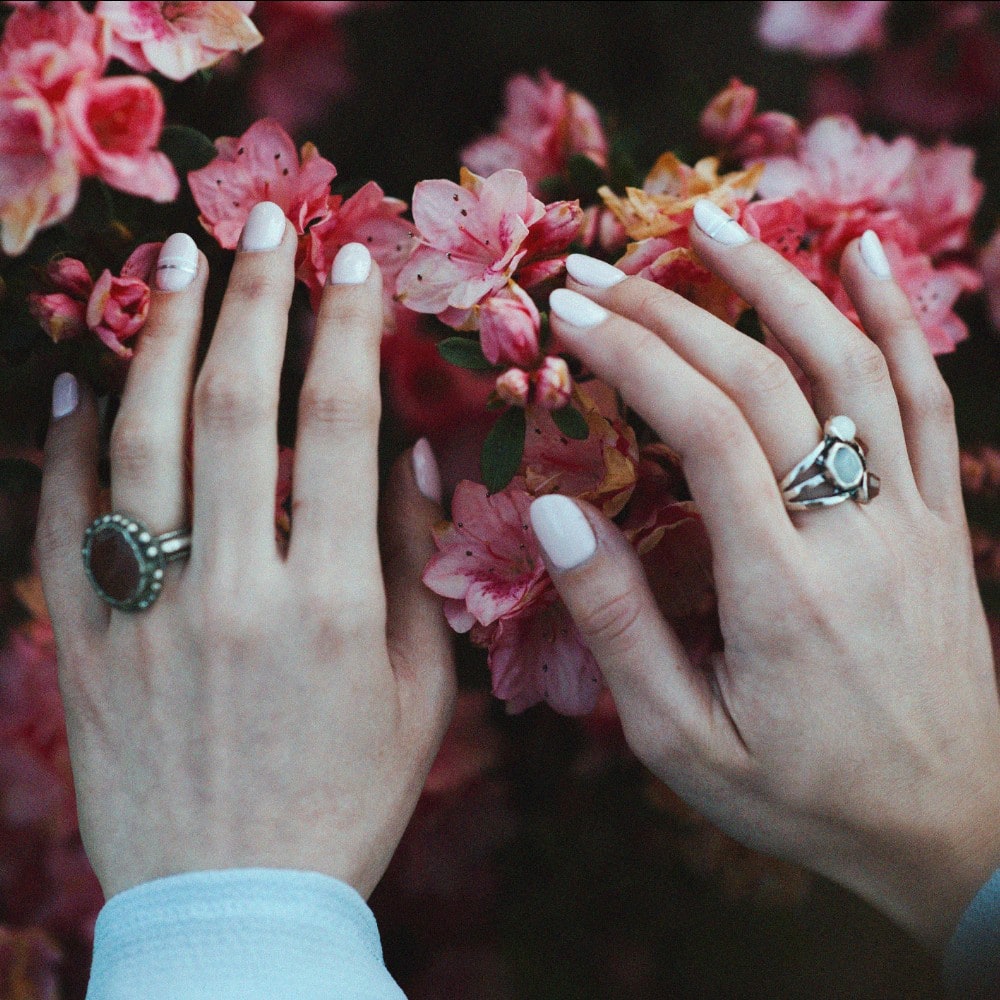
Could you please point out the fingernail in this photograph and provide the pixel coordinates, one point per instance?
(177, 264)
(265, 227)
(873, 254)
(593, 272)
(65, 395)
(722, 228)
(426, 471)
(576, 309)
(562, 530)
(352, 265)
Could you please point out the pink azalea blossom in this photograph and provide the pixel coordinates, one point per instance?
(176, 37)
(539, 655)
(474, 237)
(508, 328)
(553, 384)
(117, 310)
(117, 123)
(40, 178)
(730, 122)
(823, 29)
(368, 217)
(260, 165)
(488, 562)
(544, 126)
(920, 203)
(51, 48)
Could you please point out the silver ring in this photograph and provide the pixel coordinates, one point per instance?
(834, 471)
(125, 561)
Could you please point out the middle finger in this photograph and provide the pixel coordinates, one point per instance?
(236, 399)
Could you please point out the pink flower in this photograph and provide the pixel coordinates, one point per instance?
(488, 562)
(368, 217)
(117, 123)
(508, 328)
(51, 48)
(823, 29)
(539, 655)
(545, 124)
(553, 384)
(730, 123)
(600, 469)
(261, 165)
(920, 202)
(514, 386)
(63, 312)
(474, 236)
(177, 37)
(40, 177)
(117, 309)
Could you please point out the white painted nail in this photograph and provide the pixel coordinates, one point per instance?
(562, 530)
(177, 264)
(65, 395)
(265, 227)
(352, 265)
(426, 471)
(714, 222)
(576, 309)
(593, 272)
(873, 254)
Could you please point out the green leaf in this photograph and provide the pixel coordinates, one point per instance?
(502, 449)
(464, 352)
(187, 148)
(571, 422)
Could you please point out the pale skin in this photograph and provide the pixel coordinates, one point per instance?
(283, 710)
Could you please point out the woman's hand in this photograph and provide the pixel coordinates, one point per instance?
(269, 710)
(852, 723)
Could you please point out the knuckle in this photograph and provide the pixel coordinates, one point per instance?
(611, 621)
(864, 363)
(228, 400)
(134, 446)
(252, 285)
(343, 405)
(718, 429)
(765, 376)
(934, 401)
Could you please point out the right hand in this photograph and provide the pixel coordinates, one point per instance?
(852, 723)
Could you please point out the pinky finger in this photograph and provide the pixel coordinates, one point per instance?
(68, 503)
(668, 710)
(925, 402)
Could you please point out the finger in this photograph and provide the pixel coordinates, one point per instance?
(667, 707)
(926, 406)
(420, 643)
(334, 514)
(68, 503)
(148, 441)
(236, 399)
(845, 369)
(729, 477)
(755, 378)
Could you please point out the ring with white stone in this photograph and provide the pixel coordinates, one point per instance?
(834, 471)
(125, 561)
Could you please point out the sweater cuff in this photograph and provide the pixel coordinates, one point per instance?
(972, 959)
(243, 933)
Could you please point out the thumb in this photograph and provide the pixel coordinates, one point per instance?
(420, 642)
(666, 706)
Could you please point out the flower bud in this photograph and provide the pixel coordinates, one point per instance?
(508, 328)
(553, 384)
(514, 386)
(727, 115)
